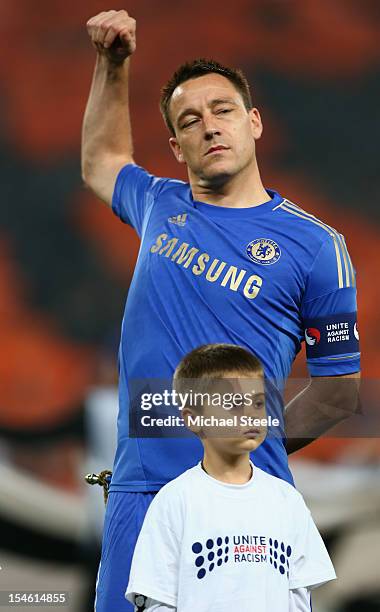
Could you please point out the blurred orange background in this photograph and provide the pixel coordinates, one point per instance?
(66, 263)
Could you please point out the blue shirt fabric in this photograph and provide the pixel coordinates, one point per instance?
(256, 277)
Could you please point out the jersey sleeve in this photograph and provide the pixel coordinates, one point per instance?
(310, 564)
(134, 195)
(329, 311)
(155, 564)
(300, 600)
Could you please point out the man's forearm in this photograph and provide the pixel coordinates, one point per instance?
(107, 139)
(324, 403)
(106, 124)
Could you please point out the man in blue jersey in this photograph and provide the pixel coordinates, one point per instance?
(222, 260)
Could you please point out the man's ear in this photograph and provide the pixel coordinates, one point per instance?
(176, 150)
(256, 123)
(186, 413)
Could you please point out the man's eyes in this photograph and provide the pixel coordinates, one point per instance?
(189, 123)
(195, 120)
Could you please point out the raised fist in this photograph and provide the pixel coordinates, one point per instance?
(113, 34)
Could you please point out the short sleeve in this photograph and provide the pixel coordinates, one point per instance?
(134, 195)
(310, 564)
(329, 311)
(300, 600)
(155, 564)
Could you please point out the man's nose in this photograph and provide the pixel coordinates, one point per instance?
(211, 129)
(211, 132)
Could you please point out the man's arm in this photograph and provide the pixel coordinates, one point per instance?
(327, 401)
(106, 134)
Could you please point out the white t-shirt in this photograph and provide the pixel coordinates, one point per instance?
(207, 545)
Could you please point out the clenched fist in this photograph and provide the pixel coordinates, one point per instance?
(113, 34)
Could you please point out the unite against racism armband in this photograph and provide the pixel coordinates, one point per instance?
(331, 336)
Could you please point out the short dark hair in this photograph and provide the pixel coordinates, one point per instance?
(215, 360)
(197, 68)
(208, 363)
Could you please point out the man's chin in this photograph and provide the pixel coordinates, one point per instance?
(216, 175)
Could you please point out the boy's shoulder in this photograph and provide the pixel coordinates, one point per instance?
(178, 492)
(170, 504)
(281, 487)
(181, 484)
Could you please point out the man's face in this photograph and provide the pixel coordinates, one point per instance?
(215, 134)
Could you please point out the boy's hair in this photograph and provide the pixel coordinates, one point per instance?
(215, 360)
(197, 68)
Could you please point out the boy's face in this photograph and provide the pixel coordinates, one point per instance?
(232, 421)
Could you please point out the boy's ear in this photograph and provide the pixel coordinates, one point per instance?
(186, 413)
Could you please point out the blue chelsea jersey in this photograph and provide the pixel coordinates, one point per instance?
(265, 278)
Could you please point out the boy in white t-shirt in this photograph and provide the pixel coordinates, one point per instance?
(226, 536)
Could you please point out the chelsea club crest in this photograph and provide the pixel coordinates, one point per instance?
(264, 251)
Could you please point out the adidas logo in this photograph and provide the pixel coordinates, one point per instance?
(178, 219)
